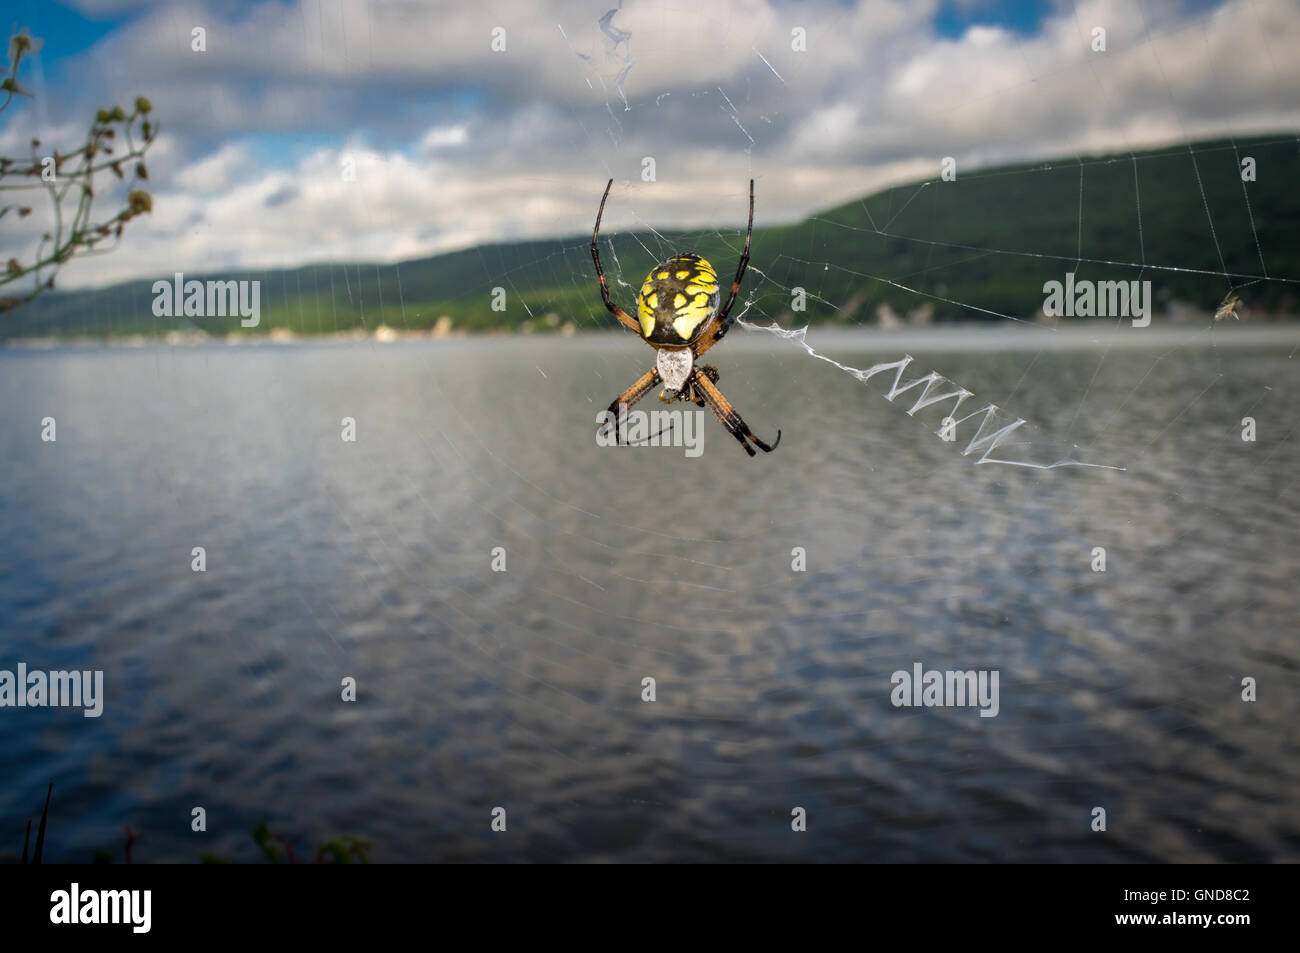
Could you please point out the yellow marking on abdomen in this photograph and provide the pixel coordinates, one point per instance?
(686, 324)
(646, 316)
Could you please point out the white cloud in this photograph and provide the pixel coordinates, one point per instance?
(442, 137)
(215, 172)
(457, 145)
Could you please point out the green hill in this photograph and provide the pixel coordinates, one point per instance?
(988, 240)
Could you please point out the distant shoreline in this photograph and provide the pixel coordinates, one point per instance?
(955, 335)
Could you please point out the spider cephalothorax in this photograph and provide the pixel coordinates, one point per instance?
(678, 315)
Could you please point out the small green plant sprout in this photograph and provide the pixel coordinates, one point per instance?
(116, 143)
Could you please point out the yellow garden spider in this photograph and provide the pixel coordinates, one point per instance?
(679, 318)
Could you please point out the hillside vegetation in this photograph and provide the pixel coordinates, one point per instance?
(988, 240)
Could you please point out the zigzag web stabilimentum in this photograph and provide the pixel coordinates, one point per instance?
(987, 417)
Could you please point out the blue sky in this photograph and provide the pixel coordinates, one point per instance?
(69, 31)
(65, 30)
(1021, 16)
(454, 143)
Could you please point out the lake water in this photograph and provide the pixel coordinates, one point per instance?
(523, 689)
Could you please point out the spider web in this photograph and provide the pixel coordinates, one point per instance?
(766, 308)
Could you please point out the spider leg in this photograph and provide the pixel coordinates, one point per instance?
(614, 309)
(722, 322)
(645, 383)
(693, 395)
(722, 408)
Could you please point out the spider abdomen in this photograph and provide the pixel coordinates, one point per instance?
(678, 298)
